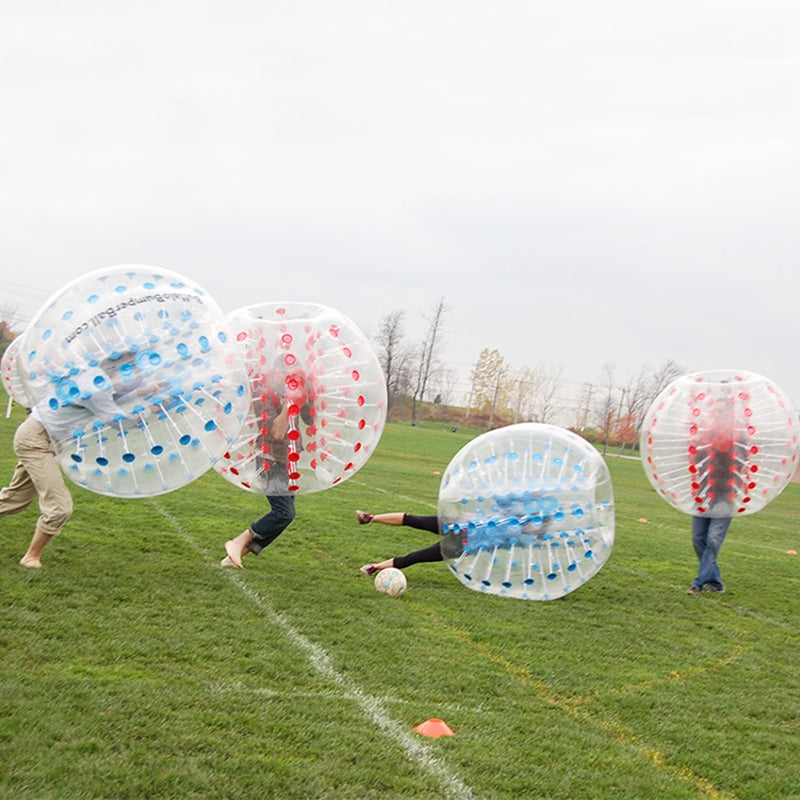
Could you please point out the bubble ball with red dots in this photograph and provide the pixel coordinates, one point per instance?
(12, 376)
(318, 402)
(526, 511)
(720, 443)
(133, 373)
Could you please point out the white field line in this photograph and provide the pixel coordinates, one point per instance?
(374, 488)
(372, 707)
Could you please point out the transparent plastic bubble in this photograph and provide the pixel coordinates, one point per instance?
(11, 375)
(720, 443)
(526, 511)
(318, 399)
(135, 376)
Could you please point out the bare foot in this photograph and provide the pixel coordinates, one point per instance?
(233, 554)
(30, 562)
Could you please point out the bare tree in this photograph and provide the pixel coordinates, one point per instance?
(585, 405)
(607, 406)
(428, 357)
(521, 394)
(663, 376)
(394, 357)
(445, 386)
(550, 383)
(645, 388)
(10, 320)
(11, 315)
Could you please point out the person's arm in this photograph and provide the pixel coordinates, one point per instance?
(280, 425)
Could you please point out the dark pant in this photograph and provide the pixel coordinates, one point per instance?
(267, 529)
(427, 554)
(422, 523)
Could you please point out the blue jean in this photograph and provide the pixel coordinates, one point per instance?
(267, 529)
(708, 534)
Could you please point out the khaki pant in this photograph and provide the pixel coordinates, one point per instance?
(37, 474)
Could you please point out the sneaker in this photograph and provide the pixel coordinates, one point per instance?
(363, 518)
(368, 569)
(717, 589)
(693, 590)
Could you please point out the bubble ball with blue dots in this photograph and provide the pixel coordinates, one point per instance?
(526, 511)
(133, 372)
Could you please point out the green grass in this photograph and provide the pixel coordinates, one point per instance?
(134, 667)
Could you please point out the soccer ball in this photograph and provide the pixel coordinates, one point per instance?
(390, 581)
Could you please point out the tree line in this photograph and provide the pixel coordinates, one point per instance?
(501, 393)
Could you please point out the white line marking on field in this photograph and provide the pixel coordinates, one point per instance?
(374, 488)
(372, 707)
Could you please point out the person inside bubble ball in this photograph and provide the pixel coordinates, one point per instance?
(279, 402)
(716, 451)
(535, 525)
(80, 398)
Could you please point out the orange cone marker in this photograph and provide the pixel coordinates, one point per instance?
(434, 728)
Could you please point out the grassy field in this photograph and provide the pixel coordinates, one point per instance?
(134, 667)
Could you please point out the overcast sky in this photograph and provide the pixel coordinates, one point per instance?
(584, 182)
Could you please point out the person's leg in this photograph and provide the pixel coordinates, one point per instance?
(423, 523)
(424, 556)
(19, 493)
(36, 454)
(262, 532)
(389, 518)
(33, 555)
(709, 575)
(267, 529)
(236, 548)
(699, 538)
